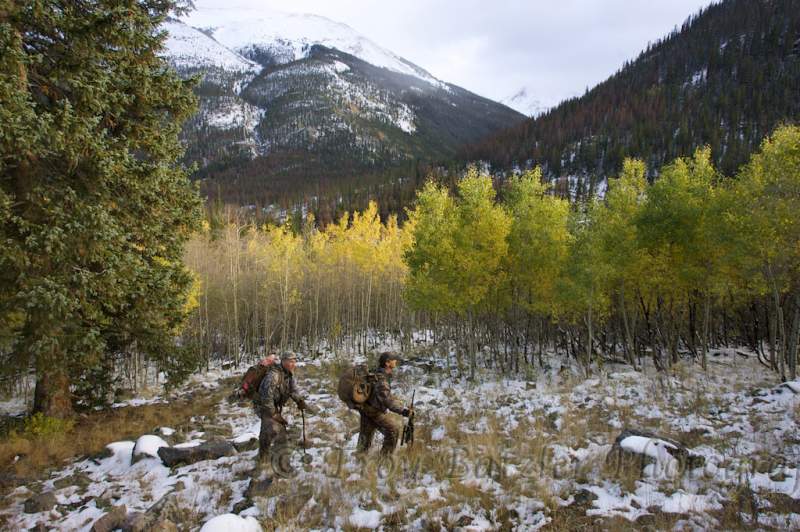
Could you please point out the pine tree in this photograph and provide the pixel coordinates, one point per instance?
(94, 210)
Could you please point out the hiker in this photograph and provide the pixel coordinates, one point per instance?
(277, 387)
(373, 412)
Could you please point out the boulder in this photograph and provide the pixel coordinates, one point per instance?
(147, 446)
(40, 503)
(212, 450)
(639, 449)
(112, 520)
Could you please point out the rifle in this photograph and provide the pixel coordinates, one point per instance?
(408, 430)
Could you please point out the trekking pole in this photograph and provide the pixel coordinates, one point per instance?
(306, 457)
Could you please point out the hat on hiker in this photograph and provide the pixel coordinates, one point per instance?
(386, 357)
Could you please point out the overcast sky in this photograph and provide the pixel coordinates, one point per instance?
(494, 48)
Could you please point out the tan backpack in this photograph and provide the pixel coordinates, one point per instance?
(355, 385)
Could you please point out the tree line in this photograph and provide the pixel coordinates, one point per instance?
(724, 78)
(504, 273)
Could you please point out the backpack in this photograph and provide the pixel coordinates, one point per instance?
(355, 385)
(252, 380)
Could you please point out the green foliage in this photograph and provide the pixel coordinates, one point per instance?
(538, 241)
(768, 198)
(95, 209)
(40, 426)
(678, 227)
(459, 247)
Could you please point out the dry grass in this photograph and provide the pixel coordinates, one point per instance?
(24, 458)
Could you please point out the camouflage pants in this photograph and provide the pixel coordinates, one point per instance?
(272, 434)
(383, 423)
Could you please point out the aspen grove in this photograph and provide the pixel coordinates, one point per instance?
(506, 274)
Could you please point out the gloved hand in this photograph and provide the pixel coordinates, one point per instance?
(309, 409)
(407, 412)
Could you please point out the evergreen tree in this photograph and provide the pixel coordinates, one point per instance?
(94, 210)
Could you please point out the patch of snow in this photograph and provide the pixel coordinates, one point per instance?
(148, 445)
(438, 433)
(365, 518)
(187, 47)
(13, 407)
(290, 36)
(231, 523)
(526, 103)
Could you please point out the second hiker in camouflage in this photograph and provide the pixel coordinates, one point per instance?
(374, 413)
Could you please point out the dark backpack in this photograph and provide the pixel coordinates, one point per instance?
(252, 380)
(355, 385)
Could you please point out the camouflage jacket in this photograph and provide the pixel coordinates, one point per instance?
(381, 397)
(276, 389)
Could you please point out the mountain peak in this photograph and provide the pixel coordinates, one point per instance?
(276, 37)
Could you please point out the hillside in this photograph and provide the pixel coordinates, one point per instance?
(292, 100)
(726, 78)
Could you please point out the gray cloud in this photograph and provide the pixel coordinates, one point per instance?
(554, 48)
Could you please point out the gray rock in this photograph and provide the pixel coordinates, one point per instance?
(40, 503)
(112, 520)
(212, 450)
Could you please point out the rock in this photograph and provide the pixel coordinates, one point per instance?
(112, 520)
(212, 450)
(242, 505)
(246, 445)
(464, 520)
(38, 527)
(137, 522)
(40, 503)
(257, 488)
(637, 449)
(147, 446)
(584, 497)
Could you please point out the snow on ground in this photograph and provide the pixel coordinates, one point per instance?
(513, 452)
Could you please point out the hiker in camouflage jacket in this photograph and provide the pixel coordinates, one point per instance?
(277, 387)
(374, 413)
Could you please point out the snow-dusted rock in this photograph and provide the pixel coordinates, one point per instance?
(645, 449)
(231, 523)
(147, 446)
(212, 450)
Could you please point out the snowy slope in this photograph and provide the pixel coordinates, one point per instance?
(525, 102)
(187, 47)
(289, 37)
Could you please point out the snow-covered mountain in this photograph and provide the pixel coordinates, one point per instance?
(526, 103)
(289, 37)
(282, 87)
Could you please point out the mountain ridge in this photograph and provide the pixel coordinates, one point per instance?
(318, 112)
(726, 78)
